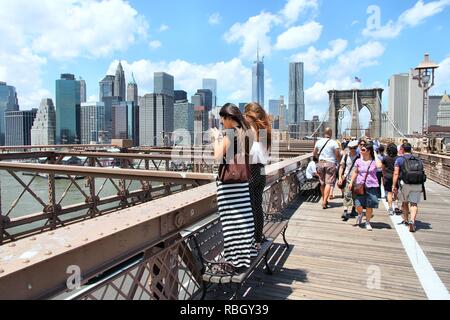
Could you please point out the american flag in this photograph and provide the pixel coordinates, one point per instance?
(358, 79)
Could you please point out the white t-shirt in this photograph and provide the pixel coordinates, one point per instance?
(329, 152)
(311, 170)
(258, 154)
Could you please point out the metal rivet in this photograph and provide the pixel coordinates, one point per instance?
(33, 238)
(12, 245)
(48, 253)
(1, 270)
(85, 239)
(115, 229)
(68, 228)
(101, 234)
(128, 224)
(26, 261)
(51, 233)
(68, 245)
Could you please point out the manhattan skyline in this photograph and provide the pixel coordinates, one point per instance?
(215, 40)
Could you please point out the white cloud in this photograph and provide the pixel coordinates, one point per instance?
(355, 22)
(353, 61)
(442, 80)
(163, 28)
(36, 31)
(409, 18)
(234, 79)
(214, 19)
(70, 28)
(155, 44)
(299, 36)
(294, 8)
(312, 58)
(92, 98)
(253, 32)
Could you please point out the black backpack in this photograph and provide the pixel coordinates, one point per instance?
(412, 171)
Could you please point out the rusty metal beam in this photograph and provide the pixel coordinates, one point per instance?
(113, 173)
(55, 146)
(37, 267)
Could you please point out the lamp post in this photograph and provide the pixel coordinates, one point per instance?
(426, 81)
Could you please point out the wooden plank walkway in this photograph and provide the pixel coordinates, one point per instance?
(332, 259)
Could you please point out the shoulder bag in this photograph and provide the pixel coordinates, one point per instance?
(360, 189)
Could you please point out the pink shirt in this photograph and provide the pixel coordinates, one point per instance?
(372, 181)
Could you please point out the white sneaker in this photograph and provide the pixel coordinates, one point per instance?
(391, 212)
(368, 226)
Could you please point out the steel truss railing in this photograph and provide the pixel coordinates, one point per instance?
(54, 215)
(138, 253)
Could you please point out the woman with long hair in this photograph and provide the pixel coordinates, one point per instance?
(233, 199)
(365, 173)
(260, 124)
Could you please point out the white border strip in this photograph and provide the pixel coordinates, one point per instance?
(431, 283)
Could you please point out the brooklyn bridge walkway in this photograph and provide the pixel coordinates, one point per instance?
(332, 259)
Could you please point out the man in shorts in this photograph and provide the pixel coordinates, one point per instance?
(408, 194)
(328, 152)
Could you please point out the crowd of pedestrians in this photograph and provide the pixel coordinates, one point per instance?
(368, 172)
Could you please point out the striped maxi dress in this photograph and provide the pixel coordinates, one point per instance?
(238, 226)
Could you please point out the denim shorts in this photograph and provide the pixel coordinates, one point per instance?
(369, 200)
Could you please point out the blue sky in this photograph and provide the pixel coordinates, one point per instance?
(337, 40)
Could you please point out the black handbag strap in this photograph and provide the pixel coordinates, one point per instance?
(320, 152)
(351, 168)
(367, 173)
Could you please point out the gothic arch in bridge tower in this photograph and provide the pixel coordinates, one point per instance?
(354, 101)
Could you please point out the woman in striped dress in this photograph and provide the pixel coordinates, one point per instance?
(260, 124)
(233, 199)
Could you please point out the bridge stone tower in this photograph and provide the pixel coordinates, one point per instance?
(354, 100)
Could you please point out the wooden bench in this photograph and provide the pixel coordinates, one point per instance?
(207, 247)
(307, 187)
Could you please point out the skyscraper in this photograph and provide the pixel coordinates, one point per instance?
(119, 83)
(443, 115)
(163, 83)
(296, 93)
(109, 102)
(211, 84)
(119, 120)
(67, 109)
(433, 108)
(183, 119)
(155, 120)
(44, 125)
(398, 102)
(180, 95)
(274, 107)
(405, 104)
(132, 91)
(8, 102)
(82, 90)
(92, 122)
(258, 80)
(282, 125)
(106, 87)
(18, 127)
(133, 122)
(415, 104)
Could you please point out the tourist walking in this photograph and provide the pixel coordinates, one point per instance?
(233, 195)
(364, 183)
(260, 124)
(328, 153)
(380, 155)
(409, 182)
(388, 175)
(345, 173)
